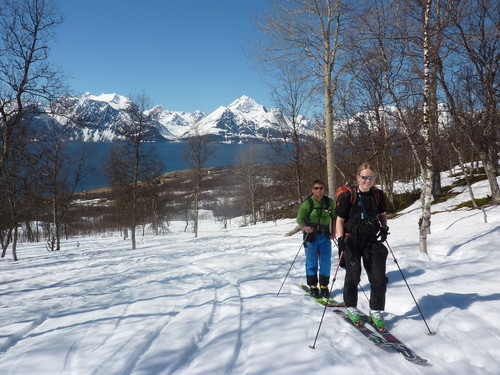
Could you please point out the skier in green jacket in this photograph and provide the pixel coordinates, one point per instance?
(315, 218)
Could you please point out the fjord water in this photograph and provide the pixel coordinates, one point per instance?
(170, 153)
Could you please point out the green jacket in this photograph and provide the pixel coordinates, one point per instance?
(317, 215)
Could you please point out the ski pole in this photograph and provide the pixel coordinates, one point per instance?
(404, 278)
(360, 287)
(313, 346)
(294, 259)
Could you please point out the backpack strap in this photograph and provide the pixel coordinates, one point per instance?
(326, 200)
(354, 192)
(311, 207)
(376, 195)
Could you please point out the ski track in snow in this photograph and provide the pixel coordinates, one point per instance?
(184, 306)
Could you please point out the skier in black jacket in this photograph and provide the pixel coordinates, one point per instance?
(361, 229)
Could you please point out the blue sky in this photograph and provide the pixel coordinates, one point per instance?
(183, 54)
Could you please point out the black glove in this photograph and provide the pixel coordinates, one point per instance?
(341, 246)
(384, 231)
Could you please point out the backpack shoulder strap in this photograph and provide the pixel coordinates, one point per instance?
(354, 194)
(311, 207)
(326, 200)
(376, 195)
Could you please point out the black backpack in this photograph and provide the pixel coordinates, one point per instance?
(363, 227)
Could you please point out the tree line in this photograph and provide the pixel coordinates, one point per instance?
(393, 76)
(410, 85)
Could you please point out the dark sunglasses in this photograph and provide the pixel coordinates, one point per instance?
(368, 178)
(318, 188)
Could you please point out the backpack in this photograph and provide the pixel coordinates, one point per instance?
(353, 191)
(366, 227)
(312, 236)
(326, 200)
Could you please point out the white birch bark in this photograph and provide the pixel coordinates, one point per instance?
(425, 220)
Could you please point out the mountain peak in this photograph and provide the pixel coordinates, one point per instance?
(246, 104)
(114, 100)
(243, 120)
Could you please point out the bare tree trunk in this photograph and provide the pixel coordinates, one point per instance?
(135, 187)
(132, 237)
(131, 165)
(489, 169)
(293, 96)
(330, 150)
(5, 239)
(197, 205)
(197, 151)
(14, 244)
(309, 32)
(247, 172)
(26, 75)
(479, 40)
(425, 220)
(466, 175)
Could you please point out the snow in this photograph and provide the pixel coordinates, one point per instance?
(244, 119)
(175, 123)
(209, 305)
(116, 101)
(242, 116)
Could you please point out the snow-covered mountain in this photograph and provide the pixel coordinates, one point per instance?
(174, 124)
(96, 116)
(242, 121)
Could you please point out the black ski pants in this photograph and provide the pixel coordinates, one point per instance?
(374, 256)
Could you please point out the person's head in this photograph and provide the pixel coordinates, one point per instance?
(318, 189)
(366, 176)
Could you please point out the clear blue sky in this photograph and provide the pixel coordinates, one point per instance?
(183, 54)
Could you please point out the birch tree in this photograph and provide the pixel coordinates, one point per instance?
(425, 221)
(198, 149)
(247, 172)
(26, 75)
(292, 96)
(477, 36)
(61, 173)
(134, 161)
(311, 33)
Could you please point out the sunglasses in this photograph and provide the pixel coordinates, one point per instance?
(368, 178)
(318, 188)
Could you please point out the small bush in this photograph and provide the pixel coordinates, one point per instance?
(444, 197)
(402, 201)
(480, 202)
(474, 179)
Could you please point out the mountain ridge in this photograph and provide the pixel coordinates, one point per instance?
(242, 121)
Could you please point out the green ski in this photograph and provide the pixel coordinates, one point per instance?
(329, 303)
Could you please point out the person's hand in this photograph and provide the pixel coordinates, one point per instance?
(341, 244)
(384, 231)
(308, 229)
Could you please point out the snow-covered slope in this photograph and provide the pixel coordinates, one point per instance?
(187, 306)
